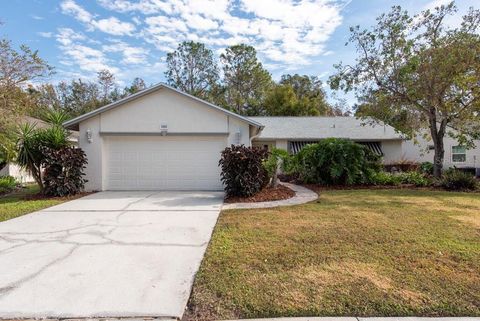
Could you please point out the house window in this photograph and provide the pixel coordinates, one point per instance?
(459, 154)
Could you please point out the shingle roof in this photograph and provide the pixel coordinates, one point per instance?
(311, 128)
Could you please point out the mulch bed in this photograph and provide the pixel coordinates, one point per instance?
(268, 194)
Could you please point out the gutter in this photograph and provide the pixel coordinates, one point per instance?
(259, 131)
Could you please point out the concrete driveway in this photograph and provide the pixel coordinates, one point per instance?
(110, 254)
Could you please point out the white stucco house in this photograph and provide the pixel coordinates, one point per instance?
(164, 139)
(292, 133)
(159, 139)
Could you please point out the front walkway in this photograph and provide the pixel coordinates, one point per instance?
(302, 195)
(110, 254)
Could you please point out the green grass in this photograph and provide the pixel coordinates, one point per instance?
(351, 253)
(14, 204)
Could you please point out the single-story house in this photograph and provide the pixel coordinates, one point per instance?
(292, 133)
(159, 139)
(164, 139)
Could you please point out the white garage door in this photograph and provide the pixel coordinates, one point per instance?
(163, 163)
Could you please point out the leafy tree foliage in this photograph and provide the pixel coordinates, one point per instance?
(192, 69)
(80, 96)
(17, 69)
(309, 91)
(106, 84)
(138, 84)
(246, 81)
(418, 75)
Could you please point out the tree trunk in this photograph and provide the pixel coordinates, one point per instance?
(37, 176)
(437, 137)
(438, 159)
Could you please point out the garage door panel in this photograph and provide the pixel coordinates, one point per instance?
(163, 163)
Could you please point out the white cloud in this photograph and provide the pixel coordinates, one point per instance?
(79, 55)
(131, 55)
(73, 9)
(114, 26)
(45, 34)
(111, 25)
(284, 31)
(144, 6)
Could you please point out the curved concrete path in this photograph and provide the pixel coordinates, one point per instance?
(302, 195)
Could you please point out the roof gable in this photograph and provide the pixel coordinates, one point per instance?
(148, 91)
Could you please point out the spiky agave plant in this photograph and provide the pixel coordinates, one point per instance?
(32, 140)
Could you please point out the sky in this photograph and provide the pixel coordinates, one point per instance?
(131, 38)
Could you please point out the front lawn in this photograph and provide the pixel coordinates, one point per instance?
(351, 253)
(24, 201)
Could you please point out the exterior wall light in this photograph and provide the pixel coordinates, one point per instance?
(88, 133)
(163, 129)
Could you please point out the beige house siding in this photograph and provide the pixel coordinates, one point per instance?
(392, 151)
(144, 116)
(420, 152)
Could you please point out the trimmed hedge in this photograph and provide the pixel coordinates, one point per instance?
(243, 173)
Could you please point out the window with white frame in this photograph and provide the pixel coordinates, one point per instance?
(459, 154)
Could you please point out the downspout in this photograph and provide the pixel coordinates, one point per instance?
(259, 131)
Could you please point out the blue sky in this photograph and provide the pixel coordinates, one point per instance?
(131, 38)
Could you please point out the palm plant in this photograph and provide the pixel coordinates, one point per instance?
(31, 142)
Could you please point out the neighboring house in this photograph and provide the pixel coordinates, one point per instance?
(164, 139)
(455, 154)
(292, 133)
(16, 171)
(159, 139)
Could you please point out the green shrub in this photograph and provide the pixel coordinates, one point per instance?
(336, 161)
(455, 180)
(426, 168)
(385, 179)
(243, 173)
(391, 179)
(414, 178)
(7, 184)
(63, 171)
(277, 156)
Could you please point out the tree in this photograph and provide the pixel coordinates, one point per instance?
(418, 75)
(309, 89)
(17, 70)
(138, 84)
(106, 83)
(192, 69)
(246, 81)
